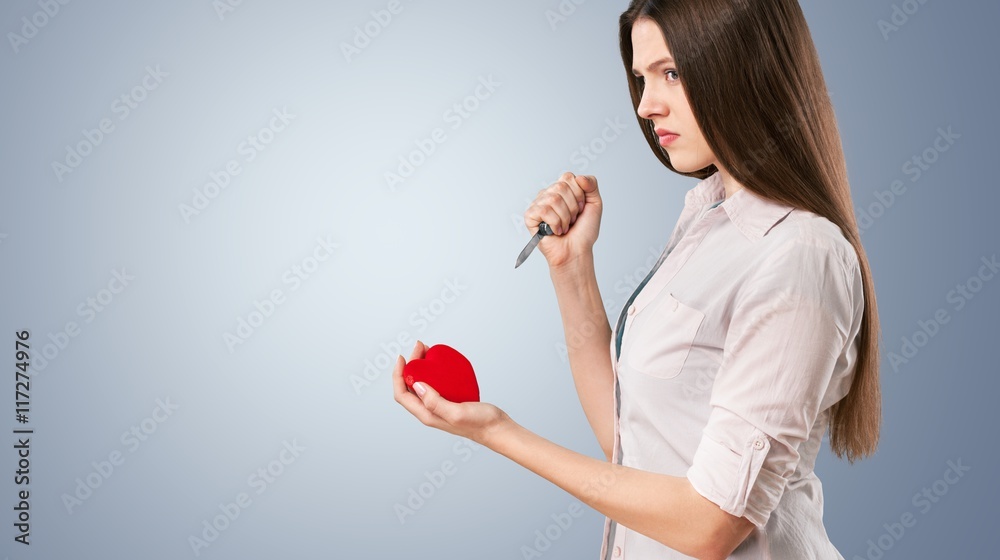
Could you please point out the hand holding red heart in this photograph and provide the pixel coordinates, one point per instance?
(447, 370)
(453, 374)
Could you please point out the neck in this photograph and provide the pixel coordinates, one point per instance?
(731, 185)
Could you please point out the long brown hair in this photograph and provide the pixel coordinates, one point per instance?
(754, 83)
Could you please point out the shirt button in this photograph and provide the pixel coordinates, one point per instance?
(631, 309)
(618, 551)
(758, 444)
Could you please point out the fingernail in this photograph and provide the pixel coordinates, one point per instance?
(419, 388)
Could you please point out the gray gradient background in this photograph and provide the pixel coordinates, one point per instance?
(457, 217)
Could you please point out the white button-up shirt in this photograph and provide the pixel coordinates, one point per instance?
(732, 352)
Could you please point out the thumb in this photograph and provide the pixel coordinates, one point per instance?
(588, 183)
(432, 399)
(421, 389)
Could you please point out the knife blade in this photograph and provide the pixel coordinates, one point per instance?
(543, 230)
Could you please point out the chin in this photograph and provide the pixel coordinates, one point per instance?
(683, 166)
(687, 165)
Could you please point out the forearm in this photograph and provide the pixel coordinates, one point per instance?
(588, 339)
(665, 508)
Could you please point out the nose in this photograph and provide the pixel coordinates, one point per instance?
(650, 105)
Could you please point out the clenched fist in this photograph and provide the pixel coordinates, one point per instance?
(572, 208)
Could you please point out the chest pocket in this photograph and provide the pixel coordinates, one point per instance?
(662, 336)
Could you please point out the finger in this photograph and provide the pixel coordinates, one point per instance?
(531, 221)
(567, 176)
(539, 213)
(588, 184)
(408, 399)
(436, 404)
(555, 211)
(416, 407)
(579, 194)
(399, 387)
(577, 183)
(418, 351)
(532, 215)
(568, 192)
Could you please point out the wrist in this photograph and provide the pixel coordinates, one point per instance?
(572, 267)
(497, 432)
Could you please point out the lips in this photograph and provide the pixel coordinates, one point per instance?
(667, 137)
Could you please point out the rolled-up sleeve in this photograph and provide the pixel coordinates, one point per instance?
(790, 324)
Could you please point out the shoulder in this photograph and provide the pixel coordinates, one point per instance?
(805, 260)
(805, 268)
(804, 238)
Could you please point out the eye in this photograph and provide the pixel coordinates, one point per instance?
(674, 72)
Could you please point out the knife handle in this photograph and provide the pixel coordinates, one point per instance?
(544, 229)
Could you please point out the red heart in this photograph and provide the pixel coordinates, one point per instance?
(447, 371)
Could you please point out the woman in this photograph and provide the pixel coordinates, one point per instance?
(756, 331)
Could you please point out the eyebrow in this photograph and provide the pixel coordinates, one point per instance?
(664, 60)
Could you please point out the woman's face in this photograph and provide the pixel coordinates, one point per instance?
(664, 101)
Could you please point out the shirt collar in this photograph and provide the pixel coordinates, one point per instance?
(751, 213)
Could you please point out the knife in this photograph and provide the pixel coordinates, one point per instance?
(543, 230)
